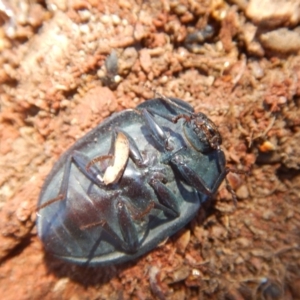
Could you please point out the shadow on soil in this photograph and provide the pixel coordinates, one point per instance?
(84, 275)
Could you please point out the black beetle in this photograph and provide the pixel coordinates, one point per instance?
(130, 183)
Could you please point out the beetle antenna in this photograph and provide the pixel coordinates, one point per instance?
(167, 99)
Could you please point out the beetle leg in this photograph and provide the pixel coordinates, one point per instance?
(128, 241)
(195, 180)
(103, 224)
(156, 131)
(113, 172)
(166, 158)
(136, 215)
(87, 167)
(165, 196)
(94, 170)
(60, 197)
(134, 152)
(182, 116)
(128, 229)
(63, 187)
(127, 214)
(228, 185)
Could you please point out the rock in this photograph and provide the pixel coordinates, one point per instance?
(281, 40)
(272, 13)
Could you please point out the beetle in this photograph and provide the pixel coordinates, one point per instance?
(131, 182)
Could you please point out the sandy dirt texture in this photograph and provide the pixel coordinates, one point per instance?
(236, 61)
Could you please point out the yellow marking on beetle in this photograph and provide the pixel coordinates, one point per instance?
(114, 172)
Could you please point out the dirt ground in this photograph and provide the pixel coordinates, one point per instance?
(236, 61)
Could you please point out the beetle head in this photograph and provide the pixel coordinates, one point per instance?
(202, 133)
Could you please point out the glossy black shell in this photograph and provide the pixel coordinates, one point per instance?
(60, 223)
